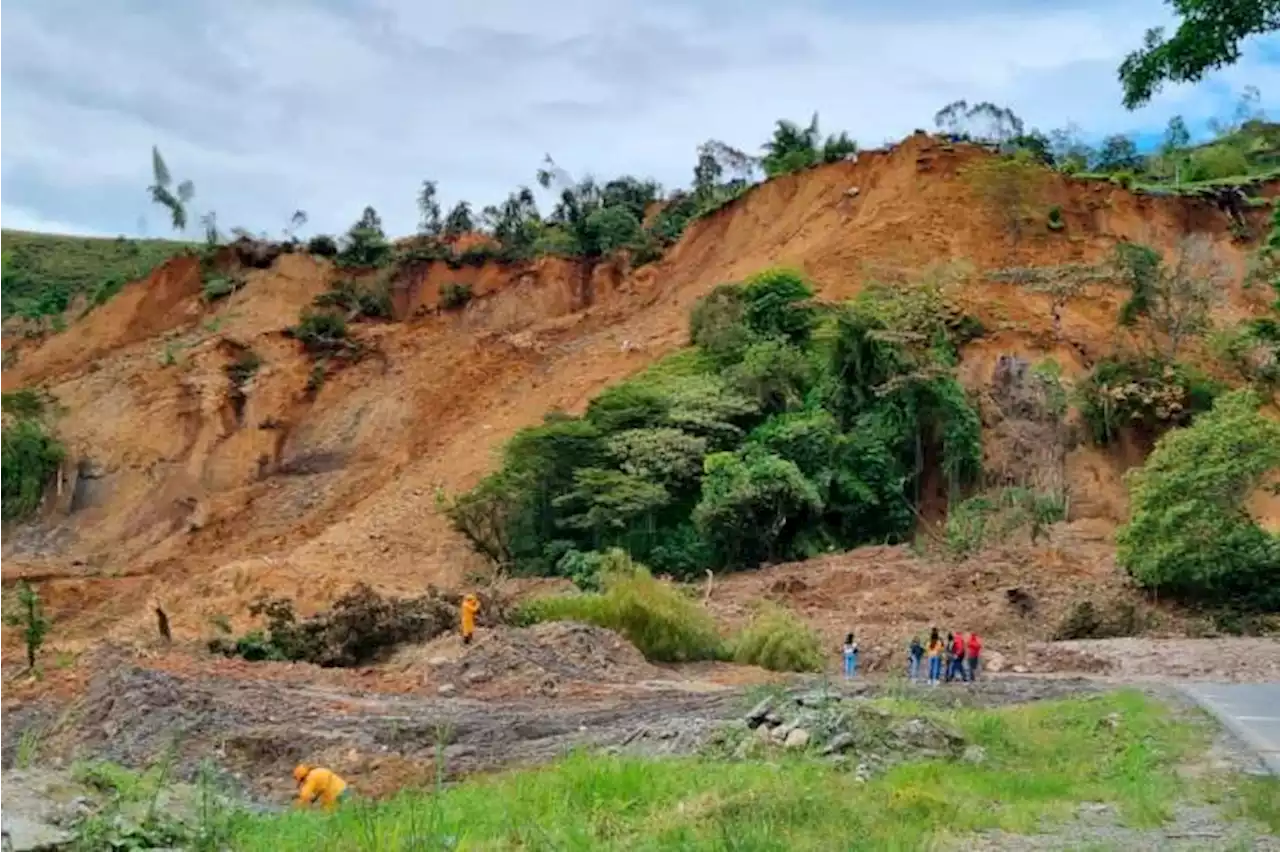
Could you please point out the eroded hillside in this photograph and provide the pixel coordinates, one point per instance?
(186, 486)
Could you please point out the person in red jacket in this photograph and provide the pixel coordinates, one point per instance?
(974, 656)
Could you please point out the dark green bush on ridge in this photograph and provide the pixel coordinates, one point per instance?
(792, 428)
(31, 454)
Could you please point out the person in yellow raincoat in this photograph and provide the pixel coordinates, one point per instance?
(315, 782)
(470, 604)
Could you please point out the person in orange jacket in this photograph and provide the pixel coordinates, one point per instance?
(470, 604)
(315, 782)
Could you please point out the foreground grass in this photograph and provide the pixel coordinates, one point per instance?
(1041, 760)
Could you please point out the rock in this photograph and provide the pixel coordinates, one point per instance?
(478, 676)
(759, 712)
(1111, 720)
(797, 739)
(862, 774)
(446, 689)
(839, 743)
(975, 754)
(992, 661)
(816, 699)
(436, 662)
(773, 717)
(763, 734)
(1020, 669)
(29, 835)
(779, 734)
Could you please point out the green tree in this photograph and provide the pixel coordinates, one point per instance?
(1190, 535)
(429, 210)
(776, 303)
(31, 619)
(1208, 37)
(1118, 153)
(365, 243)
(752, 505)
(174, 200)
(792, 147)
(1174, 299)
(774, 373)
(31, 457)
(459, 220)
(606, 502)
(1176, 136)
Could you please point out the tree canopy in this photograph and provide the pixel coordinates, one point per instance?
(1207, 38)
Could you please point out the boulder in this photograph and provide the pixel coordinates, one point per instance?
(798, 738)
(759, 713)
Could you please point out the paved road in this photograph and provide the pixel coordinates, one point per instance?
(1250, 710)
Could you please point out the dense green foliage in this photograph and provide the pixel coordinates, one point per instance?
(31, 454)
(790, 429)
(779, 641)
(664, 624)
(1208, 37)
(994, 516)
(1189, 535)
(44, 273)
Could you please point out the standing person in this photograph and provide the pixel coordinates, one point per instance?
(850, 656)
(914, 654)
(957, 670)
(948, 657)
(470, 604)
(975, 655)
(934, 651)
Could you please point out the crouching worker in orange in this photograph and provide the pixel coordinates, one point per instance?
(470, 604)
(315, 782)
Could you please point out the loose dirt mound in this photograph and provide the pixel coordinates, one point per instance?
(543, 659)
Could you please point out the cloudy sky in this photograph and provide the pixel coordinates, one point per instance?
(328, 105)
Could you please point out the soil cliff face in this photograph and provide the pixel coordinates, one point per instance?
(186, 486)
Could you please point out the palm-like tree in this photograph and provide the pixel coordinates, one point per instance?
(175, 200)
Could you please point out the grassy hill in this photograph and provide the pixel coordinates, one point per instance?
(44, 273)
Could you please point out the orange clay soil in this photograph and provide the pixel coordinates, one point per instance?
(173, 495)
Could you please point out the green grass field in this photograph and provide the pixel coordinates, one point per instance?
(44, 273)
(1041, 761)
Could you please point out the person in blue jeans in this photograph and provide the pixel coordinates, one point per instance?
(935, 649)
(850, 656)
(915, 653)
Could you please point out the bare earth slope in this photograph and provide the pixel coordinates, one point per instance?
(175, 495)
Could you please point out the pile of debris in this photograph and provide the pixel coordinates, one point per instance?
(542, 658)
(361, 627)
(847, 731)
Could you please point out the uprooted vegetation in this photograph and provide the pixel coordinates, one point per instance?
(791, 428)
(360, 627)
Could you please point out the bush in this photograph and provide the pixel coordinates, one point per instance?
(1144, 393)
(777, 640)
(31, 457)
(1123, 179)
(364, 300)
(988, 518)
(1055, 222)
(322, 245)
(1086, 620)
(454, 295)
(1189, 535)
(365, 244)
(1216, 162)
(654, 616)
(220, 286)
(321, 331)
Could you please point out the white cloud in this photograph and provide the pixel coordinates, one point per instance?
(334, 104)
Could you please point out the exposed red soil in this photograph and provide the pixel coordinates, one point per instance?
(177, 499)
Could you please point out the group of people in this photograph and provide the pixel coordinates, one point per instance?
(959, 657)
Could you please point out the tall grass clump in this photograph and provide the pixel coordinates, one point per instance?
(779, 641)
(653, 615)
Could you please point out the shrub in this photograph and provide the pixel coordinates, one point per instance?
(1189, 535)
(454, 295)
(655, 616)
(365, 244)
(1144, 393)
(1123, 179)
(321, 331)
(479, 255)
(776, 304)
(220, 286)
(1252, 349)
(322, 245)
(1055, 221)
(366, 300)
(1086, 620)
(987, 518)
(1216, 162)
(718, 324)
(31, 457)
(243, 367)
(27, 613)
(779, 641)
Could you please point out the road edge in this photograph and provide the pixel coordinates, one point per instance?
(1269, 758)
